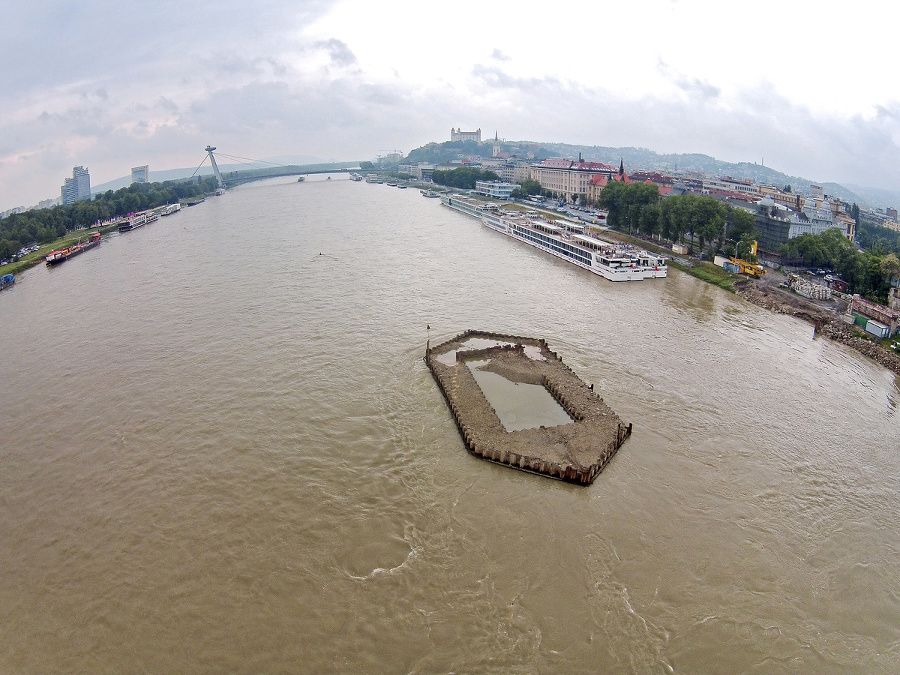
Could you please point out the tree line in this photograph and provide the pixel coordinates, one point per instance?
(529, 187)
(869, 273)
(41, 226)
(877, 237)
(463, 178)
(637, 208)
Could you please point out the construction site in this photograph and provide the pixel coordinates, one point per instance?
(516, 403)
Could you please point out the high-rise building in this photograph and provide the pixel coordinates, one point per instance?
(77, 187)
(140, 174)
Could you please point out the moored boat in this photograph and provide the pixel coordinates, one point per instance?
(611, 260)
(63, 254)
(469, 206)
(6, 281)
(136, 220)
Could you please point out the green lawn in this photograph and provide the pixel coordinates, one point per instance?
(37, 257)
(710, 273)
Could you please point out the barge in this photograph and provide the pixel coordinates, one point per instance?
(63, 254)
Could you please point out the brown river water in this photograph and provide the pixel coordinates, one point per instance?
(221, 451)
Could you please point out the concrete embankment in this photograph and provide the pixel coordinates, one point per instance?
(575, 452)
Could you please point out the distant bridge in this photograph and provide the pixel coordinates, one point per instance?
(232, 178)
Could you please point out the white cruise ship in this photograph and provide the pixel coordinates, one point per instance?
(613, 261)
(136, 220)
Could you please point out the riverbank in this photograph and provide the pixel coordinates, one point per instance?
(825, 321)
(39, 256)
(766, 293)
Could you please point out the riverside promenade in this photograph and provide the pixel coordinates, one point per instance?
(575, 452)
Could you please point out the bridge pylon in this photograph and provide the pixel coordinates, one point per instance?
(212, 160)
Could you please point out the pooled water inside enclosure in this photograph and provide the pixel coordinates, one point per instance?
(519, 405)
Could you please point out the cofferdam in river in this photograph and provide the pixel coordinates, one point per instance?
(222, 451)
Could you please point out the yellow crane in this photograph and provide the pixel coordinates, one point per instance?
(745, 267)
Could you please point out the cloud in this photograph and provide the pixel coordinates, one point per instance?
(493, 76)
(888, 113)
(338, 51)
(275, 77)
(693, 86)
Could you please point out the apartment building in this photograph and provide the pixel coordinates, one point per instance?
(77, 187)
(567, 177)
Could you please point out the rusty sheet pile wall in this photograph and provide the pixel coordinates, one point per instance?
(575, 452)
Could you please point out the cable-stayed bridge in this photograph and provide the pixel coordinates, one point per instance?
(258, 169)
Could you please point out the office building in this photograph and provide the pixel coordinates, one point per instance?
(77, 187)
(140, 174)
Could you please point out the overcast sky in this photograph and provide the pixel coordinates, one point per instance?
(808, 87)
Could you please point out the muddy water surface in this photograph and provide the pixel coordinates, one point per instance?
(221, 451)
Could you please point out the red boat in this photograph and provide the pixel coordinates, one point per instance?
(63, 254)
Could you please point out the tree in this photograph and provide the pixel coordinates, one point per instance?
(709, 219)
(740, 223)
(871, 236)
(85, 213)
(464, 177)
(743, 249)
(530, 187)
(366, 166)
(890, 267)
(865, 273)
(684, 213)
(650, 221)
(131, 202)
(668, 219)
(618, 198)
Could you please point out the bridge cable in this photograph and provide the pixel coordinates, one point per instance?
(248, 159)
(198, 168)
